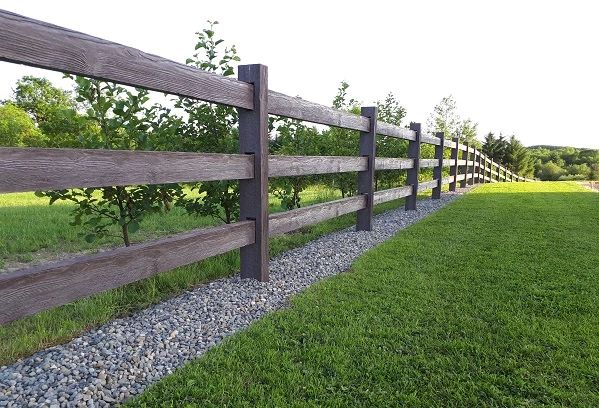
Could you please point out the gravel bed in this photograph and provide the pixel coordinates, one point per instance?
(121, 358)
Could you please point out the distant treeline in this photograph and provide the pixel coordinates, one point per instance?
(565, 163)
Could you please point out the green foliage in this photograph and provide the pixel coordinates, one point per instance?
(17, 129)
(390, 111)
(293, 139)
(54, 111)
(445, 119)
(211, 128)
(566, 163)
(550, 171)
(126, 122)
(509, 152)
(342, 142)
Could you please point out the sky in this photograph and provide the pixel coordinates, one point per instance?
(529, 68)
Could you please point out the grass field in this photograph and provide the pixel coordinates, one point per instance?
(32, 231)
(492, 301)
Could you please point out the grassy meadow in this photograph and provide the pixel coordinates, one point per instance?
(493, 301)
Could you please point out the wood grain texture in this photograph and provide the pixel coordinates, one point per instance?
(425, 185)
(391, 194)
(453, 169)
(28, 291)
(287, 221)
(413, 173)
(438, 170)
(253, 193)
(447, 180)
(366, 178)
(426, 163)
(479, 166)
(430, 140)
(32, 169)
(473, 167)
(31, 42)
(389, 163)
(450, 144)
(462, 147)
(298, 108)
(466, 158)
(447, 162)
(280, 166)
(461, 162)
(460, 177)
(386, 129)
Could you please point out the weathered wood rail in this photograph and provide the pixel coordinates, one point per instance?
(39, 44)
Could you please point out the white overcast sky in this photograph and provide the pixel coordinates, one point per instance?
(525, 67)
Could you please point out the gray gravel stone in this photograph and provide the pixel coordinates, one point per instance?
(120, 359)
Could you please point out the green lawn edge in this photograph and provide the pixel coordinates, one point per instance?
(492, 301)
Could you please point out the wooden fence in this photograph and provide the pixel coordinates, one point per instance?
(39, 44)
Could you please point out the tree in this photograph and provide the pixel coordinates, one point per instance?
(17, 129)
(211, 128)
(55, 112)
(445, 119)
(495, 147)
(517, 158)
(575, 163)
(390, 111)
(294, 138)
(550, 171)
(582, 169)
(126, 122)
(467, 132)
(342, 142)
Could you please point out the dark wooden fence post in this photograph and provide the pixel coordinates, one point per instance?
(366, 178)
(471, 181)
(414, 172)
(465, 155)
(438, 169)
(453, 170)
(253, 193)
(480, 169)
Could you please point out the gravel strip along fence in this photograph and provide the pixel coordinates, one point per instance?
(121, 358)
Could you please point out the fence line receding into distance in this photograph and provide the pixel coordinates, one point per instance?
(39, 44)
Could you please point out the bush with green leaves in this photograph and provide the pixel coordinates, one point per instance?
(390, 111)
(341, 142)
(125, 121)
(211, 128)
(293, 138)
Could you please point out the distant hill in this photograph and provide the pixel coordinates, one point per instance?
(551, 147)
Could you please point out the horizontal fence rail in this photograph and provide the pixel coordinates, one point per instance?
(58, 283)
(39, 44)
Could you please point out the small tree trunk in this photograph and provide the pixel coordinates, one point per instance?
(125, 230)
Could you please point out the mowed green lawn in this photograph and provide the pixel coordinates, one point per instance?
(492, 301)
(31, 231)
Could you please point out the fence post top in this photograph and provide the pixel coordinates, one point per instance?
(415, 126)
